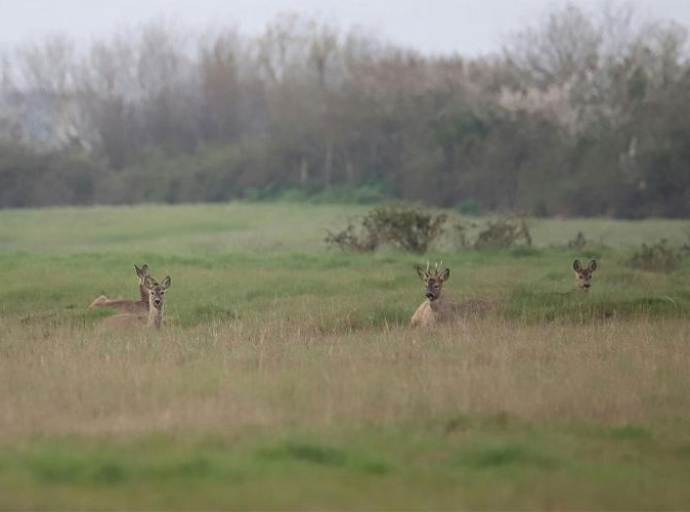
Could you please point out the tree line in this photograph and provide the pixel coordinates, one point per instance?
(580, 113)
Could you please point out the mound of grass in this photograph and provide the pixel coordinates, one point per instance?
(307, 452)
(576, 306)
(495, 455)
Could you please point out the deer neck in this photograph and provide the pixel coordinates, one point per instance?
(440, 304)
(437, 303)
(155, 316)
(144, 293)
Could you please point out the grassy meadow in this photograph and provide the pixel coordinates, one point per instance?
(285, 376)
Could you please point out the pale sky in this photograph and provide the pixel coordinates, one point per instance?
(432, 26)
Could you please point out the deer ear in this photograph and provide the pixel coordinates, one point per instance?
(166, 283)
(149, 283)
(142, 272)
(423, 274)
(577, 266)
(443, 276)
(592, 265)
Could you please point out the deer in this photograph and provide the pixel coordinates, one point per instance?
(153, 318)
(583, 275)
(436, 307)
(125, 305)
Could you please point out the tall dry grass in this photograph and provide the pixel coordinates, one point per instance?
(227, 377)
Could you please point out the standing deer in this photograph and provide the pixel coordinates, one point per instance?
(154, 317)
(436, 307)
(583, 275)
(125, 305)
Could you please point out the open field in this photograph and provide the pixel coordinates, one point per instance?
(286, 376)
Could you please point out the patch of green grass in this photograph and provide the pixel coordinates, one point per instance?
(524, 251)
(629, 432)
(579, 306)
(495, 455)
(264, 227)
(408, 467)
(306, 452)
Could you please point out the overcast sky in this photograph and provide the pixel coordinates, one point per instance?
(432, 26)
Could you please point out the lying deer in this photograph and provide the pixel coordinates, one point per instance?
(583, 275)
(125, 305)
(436, 307)
(154, 317)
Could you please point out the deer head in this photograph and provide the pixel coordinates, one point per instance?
(583, 275)
(433, 279)
(156, 292)
(142, 274)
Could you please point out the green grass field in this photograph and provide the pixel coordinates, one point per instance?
(286, 377)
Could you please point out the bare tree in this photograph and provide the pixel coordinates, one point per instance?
(566, 43)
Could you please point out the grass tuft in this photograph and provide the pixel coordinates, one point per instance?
(495, 455)
(306, 452)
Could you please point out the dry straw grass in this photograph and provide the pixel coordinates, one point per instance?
(231, 376)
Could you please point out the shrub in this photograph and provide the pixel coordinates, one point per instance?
(353, 238)
(459, 233)
(658, 257)
(408, 229)
(502, 233)
(578, 242)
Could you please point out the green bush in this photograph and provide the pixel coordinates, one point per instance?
(503, 233)
(353, 238)
(407, 229)
(658, 257)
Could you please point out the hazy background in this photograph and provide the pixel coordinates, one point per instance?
(545, 108)
(433, 26)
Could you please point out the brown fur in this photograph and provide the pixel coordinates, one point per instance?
(125, 305)
(583, 275)
(154, 318)
(436, 307)
(429, 313)
(475, 307)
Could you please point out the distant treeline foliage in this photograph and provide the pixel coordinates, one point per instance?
(580, 114)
